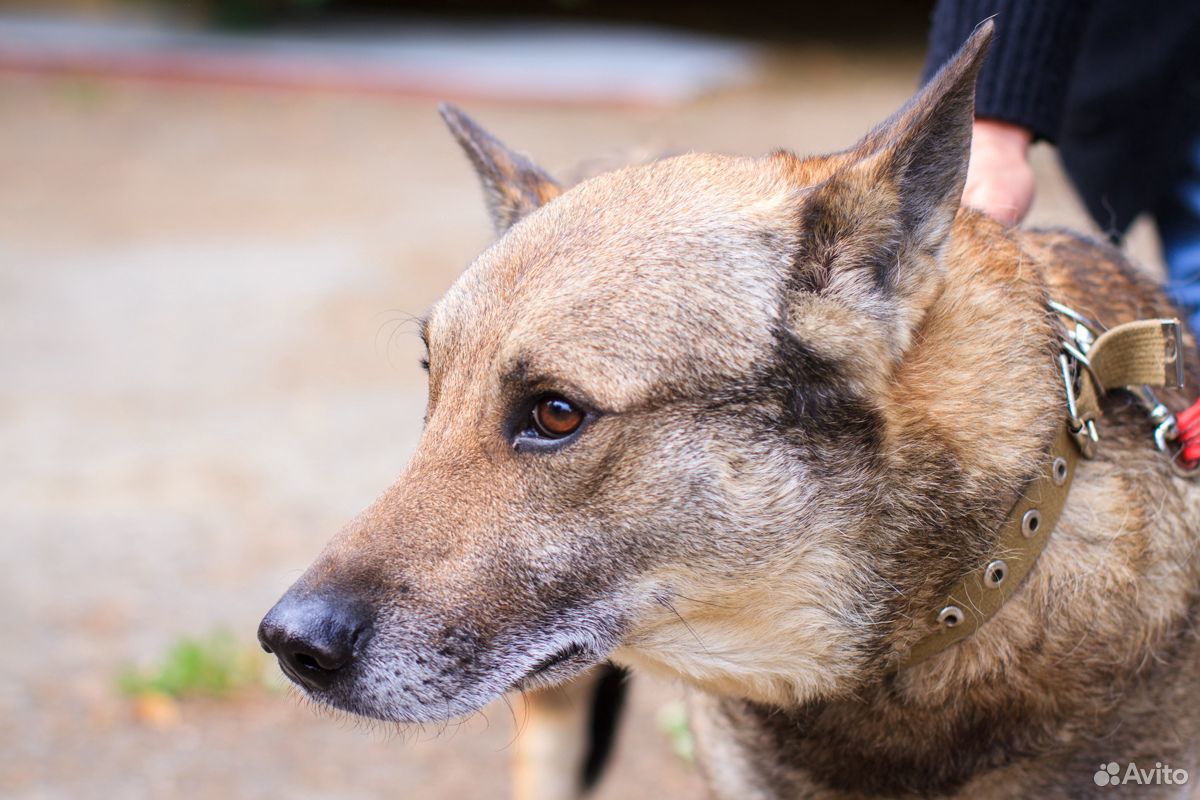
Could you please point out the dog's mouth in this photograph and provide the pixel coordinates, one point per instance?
(295, 677)
(432, 684)
(556, 667)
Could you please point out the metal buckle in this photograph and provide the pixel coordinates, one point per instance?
(1165, 435)
(1075, 347)
(1092, 327)
(1071, 360)
(1166, 428)
(1083, 430)
(1173, 333)
(1158, 413)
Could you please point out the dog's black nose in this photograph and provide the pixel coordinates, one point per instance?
(314, 636)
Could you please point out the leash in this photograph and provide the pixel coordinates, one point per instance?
(1136, 357)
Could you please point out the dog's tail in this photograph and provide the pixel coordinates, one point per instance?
(608, 701)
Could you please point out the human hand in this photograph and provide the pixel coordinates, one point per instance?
(999, 177)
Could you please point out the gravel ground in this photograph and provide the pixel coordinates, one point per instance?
(207, 365)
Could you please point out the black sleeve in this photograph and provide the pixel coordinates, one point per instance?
(1028, 71)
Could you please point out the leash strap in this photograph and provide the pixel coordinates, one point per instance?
(1136, 356)
(1143, 353)
(1189, 436)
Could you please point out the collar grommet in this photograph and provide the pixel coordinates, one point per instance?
(994, 574)
(950, 616)
(1058, 471)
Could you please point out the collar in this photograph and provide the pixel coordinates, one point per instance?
(1136, 357)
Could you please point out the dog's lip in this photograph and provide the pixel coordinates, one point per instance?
(574, 657)
(565, 654)
(293, 676)
(297, 678)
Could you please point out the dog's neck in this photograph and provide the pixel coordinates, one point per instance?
(1044, 675)
(971, 412)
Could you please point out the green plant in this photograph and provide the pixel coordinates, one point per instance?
(672, 720)
(212, 666)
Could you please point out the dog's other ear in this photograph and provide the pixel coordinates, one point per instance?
(512, 184)
(874, 229)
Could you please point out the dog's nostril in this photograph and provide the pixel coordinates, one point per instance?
(315, 636)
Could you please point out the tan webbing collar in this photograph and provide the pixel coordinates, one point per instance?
(1142, 353)
(1135, 355)
(981, 593)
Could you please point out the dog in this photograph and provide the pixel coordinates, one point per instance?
(745, 422)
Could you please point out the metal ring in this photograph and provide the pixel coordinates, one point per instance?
(994, 574)
(1031, 522)
(950, 616)
(1058, 471)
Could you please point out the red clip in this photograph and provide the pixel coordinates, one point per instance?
(1189, 434)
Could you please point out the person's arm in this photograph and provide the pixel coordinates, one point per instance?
(1020, 93)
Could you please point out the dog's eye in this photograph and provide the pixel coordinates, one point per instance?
(555, 417)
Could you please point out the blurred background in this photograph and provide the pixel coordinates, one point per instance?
(217, 221)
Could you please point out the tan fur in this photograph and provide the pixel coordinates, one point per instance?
(815, 387)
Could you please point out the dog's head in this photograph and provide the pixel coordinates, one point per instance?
(653, 431)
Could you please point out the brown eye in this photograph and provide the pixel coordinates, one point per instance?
(555, 417)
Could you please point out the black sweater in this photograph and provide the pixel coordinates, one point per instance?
(1026, 76)
(1115, 83)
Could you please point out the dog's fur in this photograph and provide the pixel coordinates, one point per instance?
(815, 388)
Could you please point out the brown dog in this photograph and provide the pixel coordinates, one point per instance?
(745, 422)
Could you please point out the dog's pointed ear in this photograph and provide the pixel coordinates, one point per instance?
(512, 184)
(883, 216)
